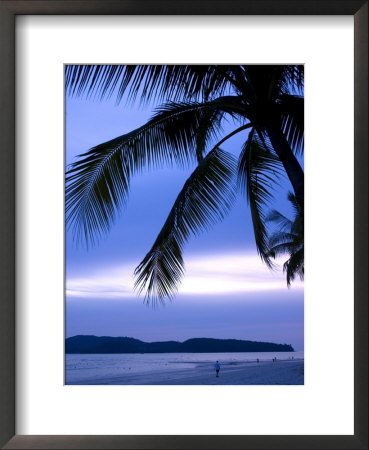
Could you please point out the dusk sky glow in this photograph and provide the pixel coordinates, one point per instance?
(227, 291)
(213, 274)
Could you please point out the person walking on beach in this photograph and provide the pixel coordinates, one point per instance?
(217, 368)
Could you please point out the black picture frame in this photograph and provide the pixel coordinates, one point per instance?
(8, 11)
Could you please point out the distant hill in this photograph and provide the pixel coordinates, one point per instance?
(106, 344)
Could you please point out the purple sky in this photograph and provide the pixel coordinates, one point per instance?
(227, 291)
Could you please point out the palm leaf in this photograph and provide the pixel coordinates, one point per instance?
(207, 131)
(296, 207)
(280, 249)
(294, 266)
(279, 219)
(204, 199)
(282, 242)
(291, 109)
(297, 226)
(289, 239)
(161, 82)
(97, 185)
(294, 76)
(258, 170)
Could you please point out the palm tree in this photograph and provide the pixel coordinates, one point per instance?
(289, 239)
(265, 100)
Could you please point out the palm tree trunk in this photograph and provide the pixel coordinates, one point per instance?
(289, 161)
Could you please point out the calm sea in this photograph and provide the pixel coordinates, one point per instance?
(80, 368)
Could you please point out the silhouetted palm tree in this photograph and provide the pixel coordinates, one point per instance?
(266, 100)
(289, 239)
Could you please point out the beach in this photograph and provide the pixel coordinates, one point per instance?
(286, 372)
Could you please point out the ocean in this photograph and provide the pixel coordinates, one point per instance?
(108, 368)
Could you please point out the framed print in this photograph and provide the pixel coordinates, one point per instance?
(46, 407)
(165, 344)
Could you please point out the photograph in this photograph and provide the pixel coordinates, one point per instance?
(184, 224)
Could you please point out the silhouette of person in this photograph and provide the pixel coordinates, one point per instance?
(217, 368)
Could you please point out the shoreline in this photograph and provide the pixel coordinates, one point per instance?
(280, 372)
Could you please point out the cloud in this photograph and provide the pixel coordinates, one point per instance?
(230, 274)
(206, 275)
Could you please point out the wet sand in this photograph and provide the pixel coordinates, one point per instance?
(288, 372)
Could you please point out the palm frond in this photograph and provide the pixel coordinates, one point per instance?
(207, 131)
(297, 225)
(204, 199)
(294, 266)
(279, 219)
(291, 197)
(280, 249)
(258, 170)
(97, 185)
(282, 242)
(163, 82)
(289, 239)
(160, 82)
(263, 84)
(294, 76)
(291, 108)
